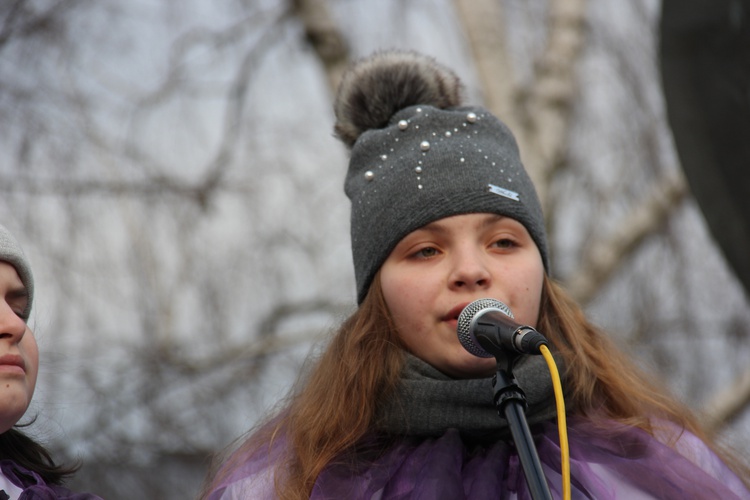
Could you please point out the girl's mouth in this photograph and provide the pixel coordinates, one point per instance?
(12, 363)
(454, 313)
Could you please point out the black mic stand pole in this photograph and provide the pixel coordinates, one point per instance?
(510, 401)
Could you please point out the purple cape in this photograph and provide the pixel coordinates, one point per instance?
(606, 463)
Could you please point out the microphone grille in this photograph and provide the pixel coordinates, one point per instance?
(466, 318)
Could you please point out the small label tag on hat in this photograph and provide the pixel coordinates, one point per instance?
(503, 192)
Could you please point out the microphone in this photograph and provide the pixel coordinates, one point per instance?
(486, 329)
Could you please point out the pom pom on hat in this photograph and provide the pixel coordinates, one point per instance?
(375, 88)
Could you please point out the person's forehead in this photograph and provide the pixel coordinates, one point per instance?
(483, 219)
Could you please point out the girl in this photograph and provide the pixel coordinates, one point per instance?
(443, 213)
(27, 471)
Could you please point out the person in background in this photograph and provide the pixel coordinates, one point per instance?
(27, 470)
(444, 214)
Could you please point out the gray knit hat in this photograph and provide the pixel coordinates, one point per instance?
(418, 156)
(10, 252)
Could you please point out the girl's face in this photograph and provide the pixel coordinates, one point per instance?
(437, 270)
(19, 356)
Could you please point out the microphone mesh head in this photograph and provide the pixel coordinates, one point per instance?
(466, 321)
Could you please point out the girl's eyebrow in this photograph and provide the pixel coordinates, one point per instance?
(493, 218)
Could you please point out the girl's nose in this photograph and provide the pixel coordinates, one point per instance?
(11, 325)
(470, 271)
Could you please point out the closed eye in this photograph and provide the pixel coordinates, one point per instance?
(18, 299)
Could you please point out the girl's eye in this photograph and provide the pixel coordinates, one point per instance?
(505, 243)
(426, 252)
(18, 307)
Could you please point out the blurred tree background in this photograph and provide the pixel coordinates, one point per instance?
(170, 169)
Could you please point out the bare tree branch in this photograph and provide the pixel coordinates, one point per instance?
(325, 37)
(546, 116)
(603, 258)
(484, 25)
(24, 20)
(207, 187)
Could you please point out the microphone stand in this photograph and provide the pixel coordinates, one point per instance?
(510, 401)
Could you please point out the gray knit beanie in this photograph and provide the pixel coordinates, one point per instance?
(418, 156)
(10, 252)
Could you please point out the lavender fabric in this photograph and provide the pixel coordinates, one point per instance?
(607, 462)
(34, 487)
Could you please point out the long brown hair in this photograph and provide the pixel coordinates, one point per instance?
(365, 357)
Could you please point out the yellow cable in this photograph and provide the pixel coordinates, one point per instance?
(561, 425)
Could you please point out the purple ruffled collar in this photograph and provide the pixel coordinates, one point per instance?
(34, 487)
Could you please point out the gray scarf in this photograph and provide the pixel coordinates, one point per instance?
(428, 402)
